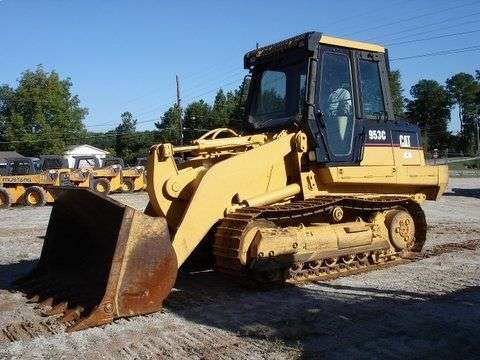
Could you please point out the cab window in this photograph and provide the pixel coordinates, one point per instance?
(278, 93)
(86, 163)
(271, 97)
(371, 88)
(336, 102)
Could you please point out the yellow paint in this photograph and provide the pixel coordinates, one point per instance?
(136, 175)
(17, 185)
(265, 169)
(351, 44)
(113, 174)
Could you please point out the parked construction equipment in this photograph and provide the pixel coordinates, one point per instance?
(133, 178)
(66, 176)
(22, 184)
(105, 179)
(324, 181)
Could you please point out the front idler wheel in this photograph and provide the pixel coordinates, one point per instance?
(401, 229)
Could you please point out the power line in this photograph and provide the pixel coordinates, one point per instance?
(151, 109)
(202, 74)
(414, 17)
(433, 37)
(164, 106)
(424, 26)
(441, 52)
(97, 135)
(114, 133)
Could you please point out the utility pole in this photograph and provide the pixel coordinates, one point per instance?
(179, 105)
(477, 123)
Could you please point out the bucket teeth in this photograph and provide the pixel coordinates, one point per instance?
(33, 298)
(57, 309)
(48, 302)
(72, 314)
(119, 262)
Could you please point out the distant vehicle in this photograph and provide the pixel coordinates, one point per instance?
(133, 178)
(142, 161)
(106, 179)
(23, 184)
(36, 163)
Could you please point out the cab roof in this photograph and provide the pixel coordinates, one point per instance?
(308, 42)
(351, 44)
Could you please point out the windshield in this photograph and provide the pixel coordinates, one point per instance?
(110, 162)
(87, 163)
(21, 167)
(277, 96)
(52, 164)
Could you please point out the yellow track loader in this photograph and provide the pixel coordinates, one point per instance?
(323, 180)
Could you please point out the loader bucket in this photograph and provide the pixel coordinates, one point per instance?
(101, 260)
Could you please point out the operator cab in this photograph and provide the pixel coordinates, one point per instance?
(53, 162)
(20, 166)
(110, 161)
(334, 89)
(86, 162)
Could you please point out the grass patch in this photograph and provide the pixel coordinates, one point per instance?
(464, 165)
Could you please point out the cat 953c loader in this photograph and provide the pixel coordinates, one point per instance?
(324, 180)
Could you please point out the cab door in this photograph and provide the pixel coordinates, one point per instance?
(336, 106)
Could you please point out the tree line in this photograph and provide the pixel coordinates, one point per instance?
(431, 106)
(42, 116)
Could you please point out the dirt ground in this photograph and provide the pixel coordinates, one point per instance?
(424, 309)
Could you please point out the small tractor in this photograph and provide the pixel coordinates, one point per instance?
(133, 178)
(23, 184)
(105, 179)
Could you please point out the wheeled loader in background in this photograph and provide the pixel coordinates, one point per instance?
(133, 178)
(104, 179)
(66, 176)
(23, 184)
(324, 181)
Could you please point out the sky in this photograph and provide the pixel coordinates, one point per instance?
(123, 55)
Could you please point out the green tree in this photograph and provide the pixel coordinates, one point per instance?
(236, 100)
(126, 137)
(105, 141)
(396, 90)
(168, 127)
(430, 108)
(463, 89)
(197, 119)
(40, 115)
(220, 116)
